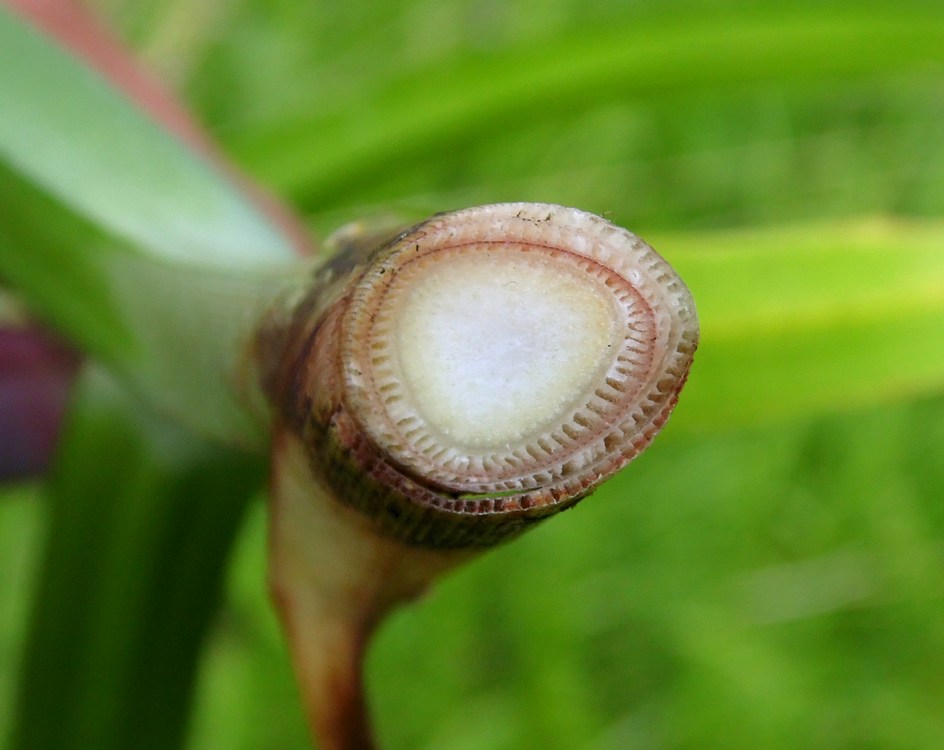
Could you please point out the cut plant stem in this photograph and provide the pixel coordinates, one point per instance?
(333, 578)
(440, 392)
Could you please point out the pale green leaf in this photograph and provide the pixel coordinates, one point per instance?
(798, 321)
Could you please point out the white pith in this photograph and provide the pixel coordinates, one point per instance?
(494, 343)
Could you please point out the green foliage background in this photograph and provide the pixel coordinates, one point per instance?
(769, 574)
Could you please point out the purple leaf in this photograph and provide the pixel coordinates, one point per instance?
(36, 372)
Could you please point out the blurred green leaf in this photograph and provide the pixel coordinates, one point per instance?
(801, 321)
(70, 133)
(126, 240)
(437, 111)
(21, 516)
(142, 517)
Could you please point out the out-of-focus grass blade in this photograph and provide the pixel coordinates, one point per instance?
(70, 133)
(125, 239)
(176, 331)
(58, 260)
(802, 321)
(324, 159)
(142, 519)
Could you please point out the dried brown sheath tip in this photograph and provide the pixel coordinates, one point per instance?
(486, 369)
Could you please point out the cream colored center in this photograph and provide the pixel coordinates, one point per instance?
(493, 349)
